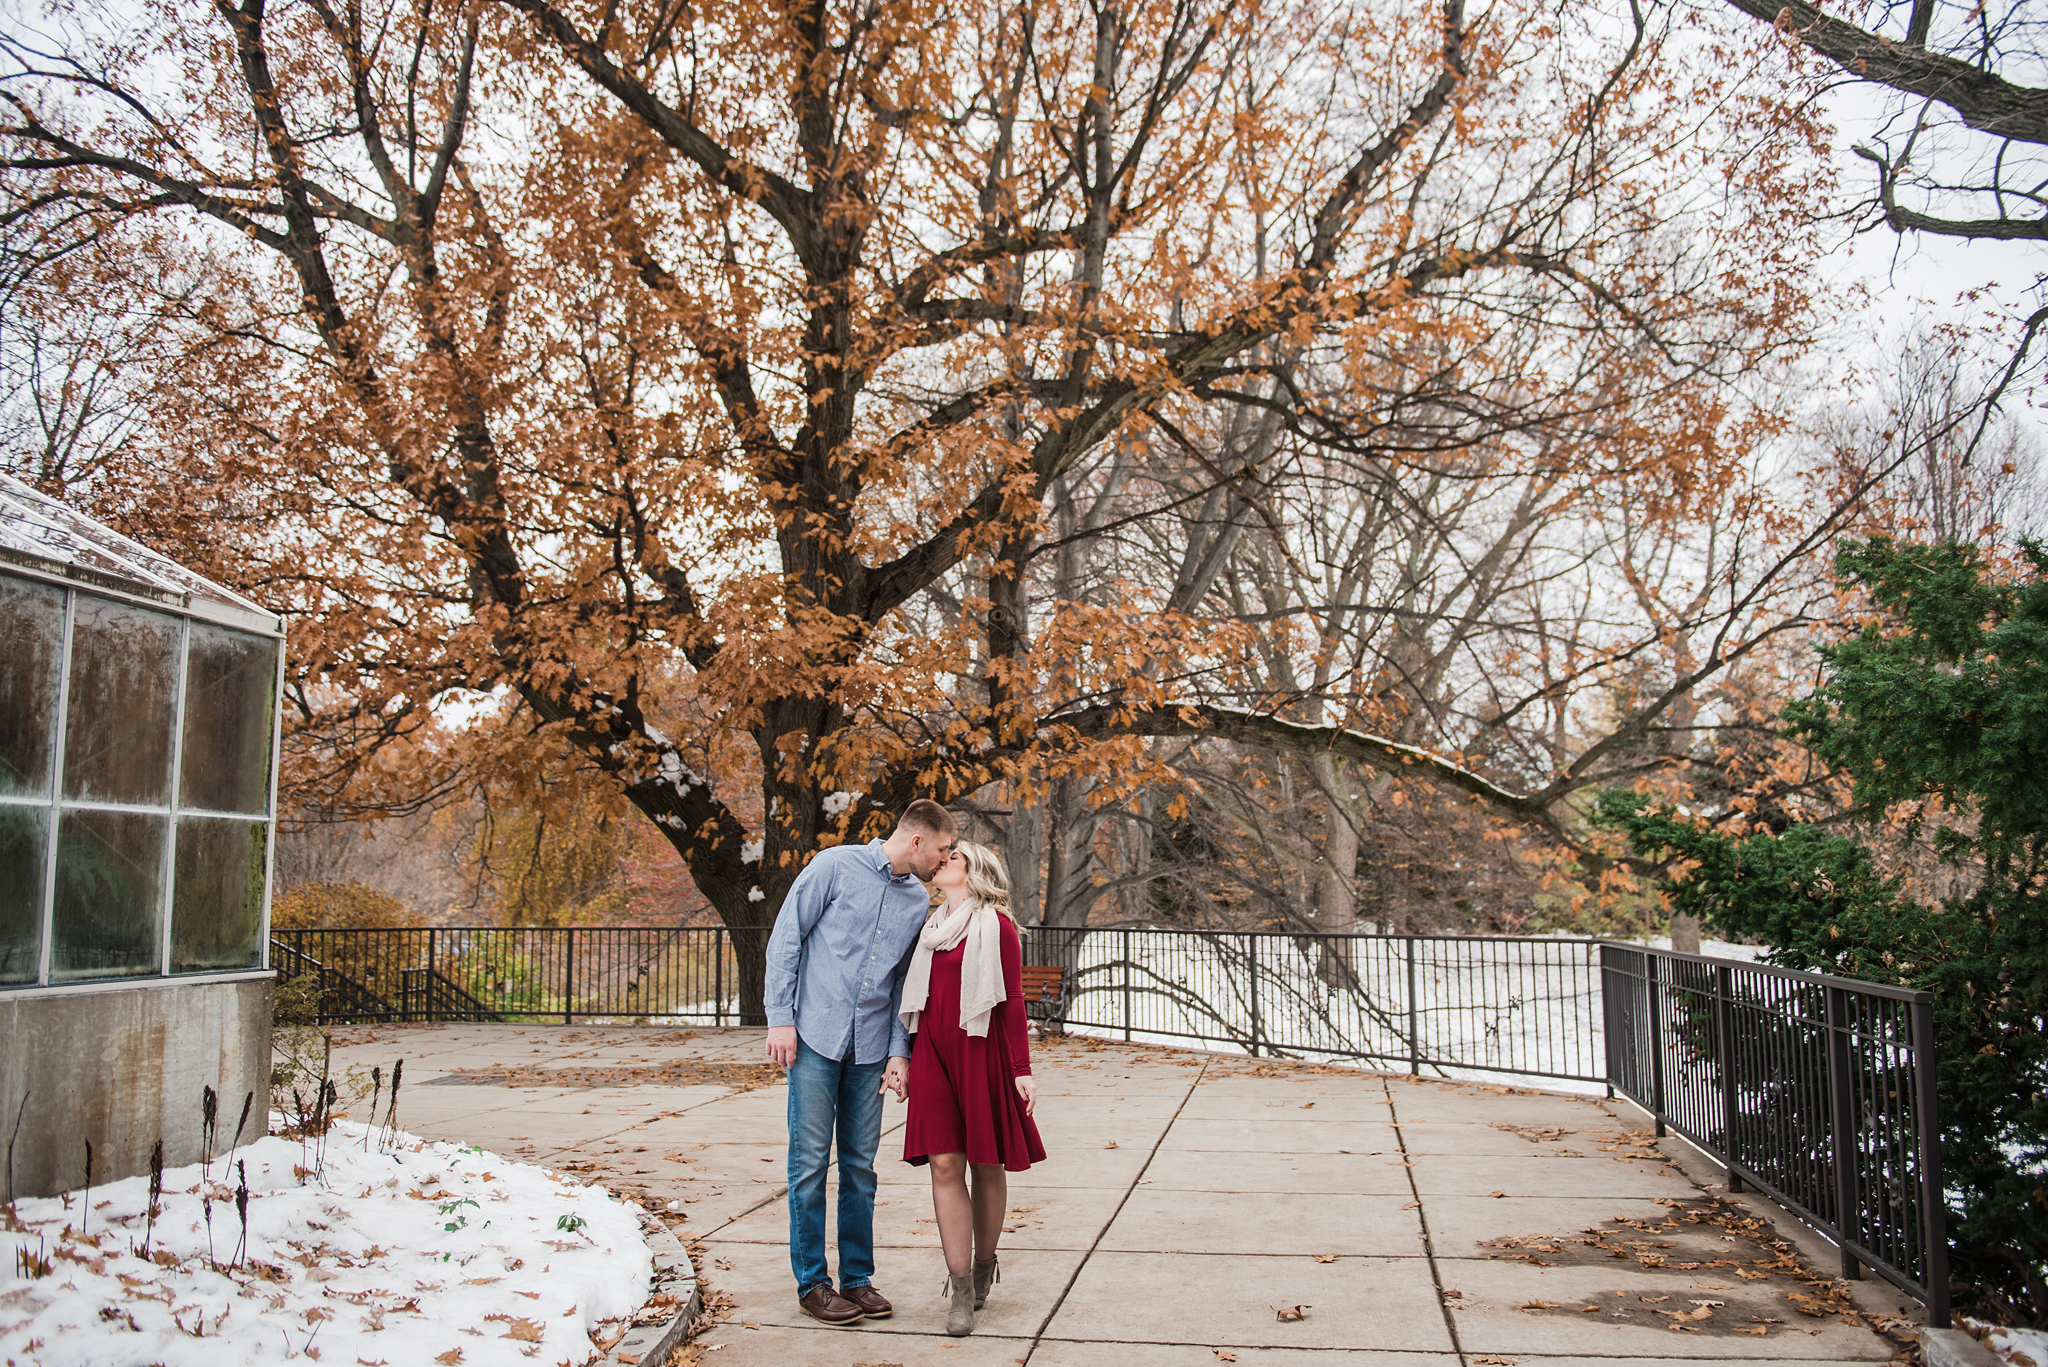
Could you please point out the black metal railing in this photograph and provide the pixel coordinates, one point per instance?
(1482, 1004)
(1526, 1007)
(522, 973)
(1818, 1091)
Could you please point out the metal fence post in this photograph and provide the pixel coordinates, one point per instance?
(1127, 986)
(1933, 1202)
(1414, 1039)
(1848, 1202)
(718, 974)
(1724, 1052)
(1650, 962)
(1251, 955)
(568, 971)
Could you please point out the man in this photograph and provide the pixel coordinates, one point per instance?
(836, 961)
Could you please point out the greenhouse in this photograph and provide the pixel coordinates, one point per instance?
(138, 733)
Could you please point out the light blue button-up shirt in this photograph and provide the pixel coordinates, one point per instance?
(839, 952)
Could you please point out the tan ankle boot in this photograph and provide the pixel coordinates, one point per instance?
(960, 1316)
(986, 1275)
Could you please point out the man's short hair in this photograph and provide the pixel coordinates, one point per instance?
(926, 816)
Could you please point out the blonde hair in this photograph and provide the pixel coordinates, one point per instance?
(987, 880)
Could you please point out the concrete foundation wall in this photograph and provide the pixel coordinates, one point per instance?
(123, 1066)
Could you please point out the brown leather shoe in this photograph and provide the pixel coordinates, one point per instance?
(827, 1306)
(872, 1303)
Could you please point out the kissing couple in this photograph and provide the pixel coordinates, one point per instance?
(878, 984)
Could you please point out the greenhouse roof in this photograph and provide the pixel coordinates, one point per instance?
(42, 535)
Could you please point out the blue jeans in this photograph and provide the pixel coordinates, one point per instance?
(827, 1095)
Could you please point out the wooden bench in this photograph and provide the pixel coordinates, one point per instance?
(1045, 997)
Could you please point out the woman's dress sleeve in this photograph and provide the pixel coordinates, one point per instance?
(1017, 1020)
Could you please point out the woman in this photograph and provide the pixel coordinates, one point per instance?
(970, 1088)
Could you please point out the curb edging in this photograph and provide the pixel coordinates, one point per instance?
(648, 1345)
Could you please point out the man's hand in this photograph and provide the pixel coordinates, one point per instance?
(782, 1045)
(896, 1078)
(1027, 1087)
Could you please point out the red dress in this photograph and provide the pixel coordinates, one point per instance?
(963, 1089)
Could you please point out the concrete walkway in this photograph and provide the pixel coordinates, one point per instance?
(1190, 1204)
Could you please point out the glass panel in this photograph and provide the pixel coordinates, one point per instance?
(32, 625)
(217, 900)
(109, 895)
(21, 892)
(230, 683)
(117, 720)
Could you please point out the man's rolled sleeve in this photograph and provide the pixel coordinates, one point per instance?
(800, 912)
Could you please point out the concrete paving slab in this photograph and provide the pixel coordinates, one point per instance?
(1500, 1138)
(1637, 1308)
(776, 1346)
(1364, 1174)
(1154, 1221)
(1460, 1224)
(757, 1276)
(1277, 1136)
(1209, 1104)
(1525, 1359)
(1221, 1301)
(1534, 1175)
(1056, 1353)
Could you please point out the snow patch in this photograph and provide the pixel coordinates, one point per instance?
(756, 895)
(750, 851)
(836, 803)
(402, 1257)
(679, 775)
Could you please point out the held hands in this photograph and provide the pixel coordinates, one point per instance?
(896, 1078)
(1027, 1087)
(782, 1045)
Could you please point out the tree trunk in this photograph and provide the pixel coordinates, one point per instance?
(1069, 889)
(1685, 934)
(750, 954)
(1336, 887)
(1024, 852)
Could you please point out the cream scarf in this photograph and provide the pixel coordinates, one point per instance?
(981, 967)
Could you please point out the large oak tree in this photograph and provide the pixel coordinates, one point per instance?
(735, 387)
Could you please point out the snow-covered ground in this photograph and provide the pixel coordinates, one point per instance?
(407, 1253)
(2020, 1347)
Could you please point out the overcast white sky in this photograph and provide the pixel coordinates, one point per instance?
(1926, 277)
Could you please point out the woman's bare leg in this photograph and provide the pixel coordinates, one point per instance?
(991, 1200)
(955, 1209)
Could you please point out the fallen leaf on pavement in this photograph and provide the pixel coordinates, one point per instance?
(1757, 1329)
(1288, 1314)
(1326, 1257)
(1411, 1205)
(1538, 1305)
(1112, 1144)
(449, 1358)
(1223, 1355)
(1496, 1194)
(1494, 1360)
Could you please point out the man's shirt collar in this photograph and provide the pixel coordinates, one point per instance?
(880, 860)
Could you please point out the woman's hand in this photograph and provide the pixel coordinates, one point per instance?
(1027, 1087)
